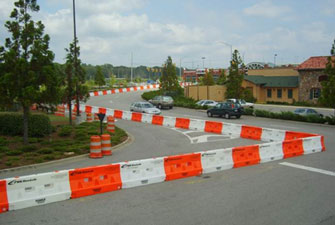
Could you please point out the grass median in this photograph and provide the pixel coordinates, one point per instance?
(65, 141)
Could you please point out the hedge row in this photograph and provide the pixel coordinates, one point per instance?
(291, 116)
(12, 124)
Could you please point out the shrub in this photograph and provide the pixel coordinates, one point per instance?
(12, 124)
(49, 157)
(3, 141)
(248, 111)
(28, 148)
(330, 120)
(14, 152)
(65, 131)
(262, 113)
(4, 149)
(315, 119)
(45, 151)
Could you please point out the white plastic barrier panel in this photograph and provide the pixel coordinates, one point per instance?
(169, 121)
(312, 144)
(142, 172)
(217, 160)
(272, 134)
(126, 115)
(95, 110)
(197, 125)
(38, 189)
(109, 112)
(109, 92)
(146, 118)
(271, 151)
(232, 129)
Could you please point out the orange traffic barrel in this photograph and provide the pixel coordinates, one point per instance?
(89, 117)
(95, 147)
(110, 124)
(106, 146)
(96, 117)
(60, 110)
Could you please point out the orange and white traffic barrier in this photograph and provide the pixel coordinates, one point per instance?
(60, 110)
(111, 124)
(95, 147)
(106, 146)
(89, 117)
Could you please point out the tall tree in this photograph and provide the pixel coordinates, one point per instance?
(28, 74)
(222, 78)
(169, 79)
(99, 77)
(75, 78)
(328, 86)
(208, 78)
(235, 77)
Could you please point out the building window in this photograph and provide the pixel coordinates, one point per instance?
(269, 93)
(279, 93)
(314, 93)
(290, 93)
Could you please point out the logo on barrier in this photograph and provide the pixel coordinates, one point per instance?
(81, 172)
(21, 181)
(131, 165)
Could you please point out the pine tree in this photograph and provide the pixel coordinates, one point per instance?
(328, 86)
(169, 79)
(99, 77)
(28, 74)
(235, 77)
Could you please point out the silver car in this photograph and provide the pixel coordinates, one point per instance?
(144, 107)
(307, 112)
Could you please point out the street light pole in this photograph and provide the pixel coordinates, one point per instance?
(75, 52)
(131, 68)
(274, 60)
(203, 62)
(231, 48)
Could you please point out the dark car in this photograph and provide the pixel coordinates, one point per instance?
(162, 101)
(226, 109)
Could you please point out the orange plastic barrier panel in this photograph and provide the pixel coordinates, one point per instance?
(88, 109)
(323, 143)
(182, 123)
(95, 180)
(120, 90)
(136, 117)
(113, 91)
(104, 92)
(96, 93)
(291, 135)
(251, 132)
(118, 114)
(181, 166)
(128, 89)
(154, 85)
(148, 86)
(102, 110)
(292, 148)
(213, 127)
(246, 156)
(135, 88)
(158, 120)
(141, 87)
(3, 197)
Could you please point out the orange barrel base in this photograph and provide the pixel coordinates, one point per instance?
(96, 118)
(106, 146)
(95, 147)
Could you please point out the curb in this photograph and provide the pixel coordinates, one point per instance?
(128, 141)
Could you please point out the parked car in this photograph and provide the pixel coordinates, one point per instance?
(209, 103)
(226, 109)
(242, 102)
(307, 112)
(144, 107)
(162, 101)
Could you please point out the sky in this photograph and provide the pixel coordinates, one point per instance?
(193, 32)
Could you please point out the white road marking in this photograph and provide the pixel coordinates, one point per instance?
(330, 173)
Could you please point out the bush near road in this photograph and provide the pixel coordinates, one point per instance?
(64, 141)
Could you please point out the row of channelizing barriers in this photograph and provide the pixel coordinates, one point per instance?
(39, 189)
(131, 89)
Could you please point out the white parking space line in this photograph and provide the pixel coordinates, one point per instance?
(326, 172)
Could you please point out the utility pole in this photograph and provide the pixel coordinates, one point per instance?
(131, 68)
(180, 68)
(75, 55)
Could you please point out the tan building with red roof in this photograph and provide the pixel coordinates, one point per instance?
(311, 73)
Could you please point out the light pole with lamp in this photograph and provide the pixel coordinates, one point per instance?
(231, 48)
(274, 59)
(203, 62)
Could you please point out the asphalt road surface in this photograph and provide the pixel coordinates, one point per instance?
(270, 193)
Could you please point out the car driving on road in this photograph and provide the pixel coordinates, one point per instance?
(226, 109)
(162, 101)
(144, 107)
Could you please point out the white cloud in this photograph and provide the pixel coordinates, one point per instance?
(266, 9)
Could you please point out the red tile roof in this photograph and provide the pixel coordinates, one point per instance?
(314, 63)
